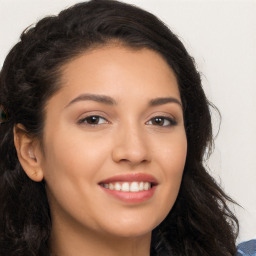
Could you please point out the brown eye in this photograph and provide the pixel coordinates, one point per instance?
(162, 121)
(93, 120)
(158, 121)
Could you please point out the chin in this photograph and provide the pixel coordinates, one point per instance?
(133, 228)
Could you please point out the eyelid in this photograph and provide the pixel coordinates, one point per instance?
(90, 115)
(171, 120)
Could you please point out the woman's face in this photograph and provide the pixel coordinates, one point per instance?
(114, 143)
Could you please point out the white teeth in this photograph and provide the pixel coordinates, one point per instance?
(146, 186)
(105, 185)
(128, 187)
(134, 187)
(125, 187)
(117, 186)
(141, 186)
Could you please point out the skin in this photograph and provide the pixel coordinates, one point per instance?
(126, 139)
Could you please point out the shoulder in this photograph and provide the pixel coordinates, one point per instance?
(247, 248)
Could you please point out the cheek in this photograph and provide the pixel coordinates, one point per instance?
(72, 167)
(176, 161)
(74, 164)
(75, 153)
(172, 158)
(172, 154)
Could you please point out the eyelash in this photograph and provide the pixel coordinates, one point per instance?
(86, 119)
(166, 121)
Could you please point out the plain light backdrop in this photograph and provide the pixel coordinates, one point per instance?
(221, 36)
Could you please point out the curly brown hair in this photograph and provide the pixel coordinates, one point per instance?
(200, 223)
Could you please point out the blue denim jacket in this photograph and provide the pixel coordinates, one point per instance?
(247, 248)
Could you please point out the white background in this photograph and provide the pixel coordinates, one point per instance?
(221, 35)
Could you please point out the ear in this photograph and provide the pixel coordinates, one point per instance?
(29, 153)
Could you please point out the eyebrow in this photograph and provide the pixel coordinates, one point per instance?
(110, 101)
(94, 97)
(161, 101)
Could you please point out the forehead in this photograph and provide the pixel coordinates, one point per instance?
(112, 61)
(118, 70)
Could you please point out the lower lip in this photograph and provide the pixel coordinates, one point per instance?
(131, 197)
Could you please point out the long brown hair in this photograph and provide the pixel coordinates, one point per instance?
(200, 223)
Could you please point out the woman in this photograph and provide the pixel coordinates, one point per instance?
(104, 129)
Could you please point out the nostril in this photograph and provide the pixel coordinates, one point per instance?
(130, 147)
(132, 157)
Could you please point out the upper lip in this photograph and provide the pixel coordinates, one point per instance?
(131, 177)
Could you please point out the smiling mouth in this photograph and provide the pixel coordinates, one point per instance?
(133, 186)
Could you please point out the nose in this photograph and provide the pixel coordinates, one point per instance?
(131, 147)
